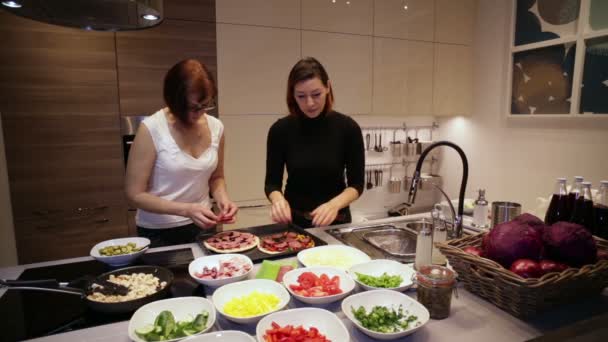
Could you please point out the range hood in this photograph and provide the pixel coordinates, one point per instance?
(100, 15)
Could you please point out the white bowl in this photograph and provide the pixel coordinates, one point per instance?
(122, 259)
(339, 256)
(224, 294)
(328, 323)
(182, 308)
(377, 267)
(347, 285)
(224, 335)
(388, 298)
(211, 261)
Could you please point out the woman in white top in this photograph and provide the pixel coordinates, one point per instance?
(177, 160)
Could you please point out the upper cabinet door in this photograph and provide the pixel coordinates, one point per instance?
(454, 21)
(253, 65)
(273, 13)
(453, 80)
(348, 61)
(411, 19)
(403, 81)
(354, 16)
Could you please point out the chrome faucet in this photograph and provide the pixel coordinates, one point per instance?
(457, 226)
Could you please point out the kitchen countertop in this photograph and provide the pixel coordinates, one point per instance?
(471, 318)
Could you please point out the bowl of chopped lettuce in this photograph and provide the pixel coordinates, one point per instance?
(248, 301)
(338, 256)
(383, 274)
(172, 319)
(385, 314)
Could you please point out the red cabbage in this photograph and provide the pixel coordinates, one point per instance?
(513, 240)
(532, 221)
(570, 243)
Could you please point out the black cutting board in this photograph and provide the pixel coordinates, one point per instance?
(255, 254)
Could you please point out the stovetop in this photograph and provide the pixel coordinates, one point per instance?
(31, 314)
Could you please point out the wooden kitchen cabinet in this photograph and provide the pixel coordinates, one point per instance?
(253, 65)
(354, 17)
(61, 130)
(411, 19)
(403, 82)
(453, 80)
(269, 13)
(144, 57)
(454, 21)
(348, 60)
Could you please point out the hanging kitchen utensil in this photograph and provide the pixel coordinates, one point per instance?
(52, 285)
(369, 180)
(367, 141)
(375, 141)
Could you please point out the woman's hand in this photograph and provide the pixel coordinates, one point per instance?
(280, 211)
(228, 211)
(324, 214)
(201, 215)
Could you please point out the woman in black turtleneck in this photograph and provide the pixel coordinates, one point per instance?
(321, 149)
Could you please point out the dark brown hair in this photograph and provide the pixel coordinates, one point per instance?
(306, 69)
(186, 77)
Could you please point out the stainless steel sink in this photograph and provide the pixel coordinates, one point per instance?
(395, 241)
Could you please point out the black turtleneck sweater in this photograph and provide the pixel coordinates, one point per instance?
(323, 156)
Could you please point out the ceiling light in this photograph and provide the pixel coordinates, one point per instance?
(11, 4)
(405, 7)
(150, 17)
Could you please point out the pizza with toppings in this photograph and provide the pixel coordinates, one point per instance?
(231, 242)
(285, 241)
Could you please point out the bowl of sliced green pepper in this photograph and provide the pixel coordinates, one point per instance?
(382, 274)
(120, 252)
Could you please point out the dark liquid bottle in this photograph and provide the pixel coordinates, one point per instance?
(601, 212)
(574, 194)
(558, 208)
(583, 209)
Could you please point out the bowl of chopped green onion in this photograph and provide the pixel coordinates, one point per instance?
(383, 274)
(385, 314)
(120, 252)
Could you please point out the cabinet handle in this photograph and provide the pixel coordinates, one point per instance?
(103, 220)
(86, 209)
(46, 212)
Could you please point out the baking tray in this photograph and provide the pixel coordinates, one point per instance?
(255, 254)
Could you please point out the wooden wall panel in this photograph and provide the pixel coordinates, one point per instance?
(145, 56)
(59, 95)
(199, 10)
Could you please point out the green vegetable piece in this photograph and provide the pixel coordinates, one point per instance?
(166, 321)
(200, 322)
(145, 330)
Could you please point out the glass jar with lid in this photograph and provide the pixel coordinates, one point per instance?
(435, 286)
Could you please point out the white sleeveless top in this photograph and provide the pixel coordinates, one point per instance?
(178, 176)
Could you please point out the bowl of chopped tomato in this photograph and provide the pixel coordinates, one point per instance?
(318, 285)
(303, 324)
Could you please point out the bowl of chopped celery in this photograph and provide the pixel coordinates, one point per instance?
(120, 252)
(339, 256)
(385, 314)
(383, 274)
(172, 319)
(249, 300)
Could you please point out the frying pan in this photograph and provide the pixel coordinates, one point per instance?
(52, 285)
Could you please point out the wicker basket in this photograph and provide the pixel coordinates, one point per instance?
(521, 297)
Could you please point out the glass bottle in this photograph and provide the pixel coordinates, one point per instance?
(480, 211)
(601, 212)
(583, 208)
(440, 234)
(558, 208)
(575, 192)
(424, 247)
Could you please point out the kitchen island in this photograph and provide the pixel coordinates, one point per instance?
(471, 319)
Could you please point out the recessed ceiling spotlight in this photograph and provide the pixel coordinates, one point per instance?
(11, 4)
(150, 17)
(405, 7)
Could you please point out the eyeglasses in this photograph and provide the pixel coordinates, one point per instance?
(205, 107)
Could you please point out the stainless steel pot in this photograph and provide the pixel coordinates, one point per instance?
(396, 148)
